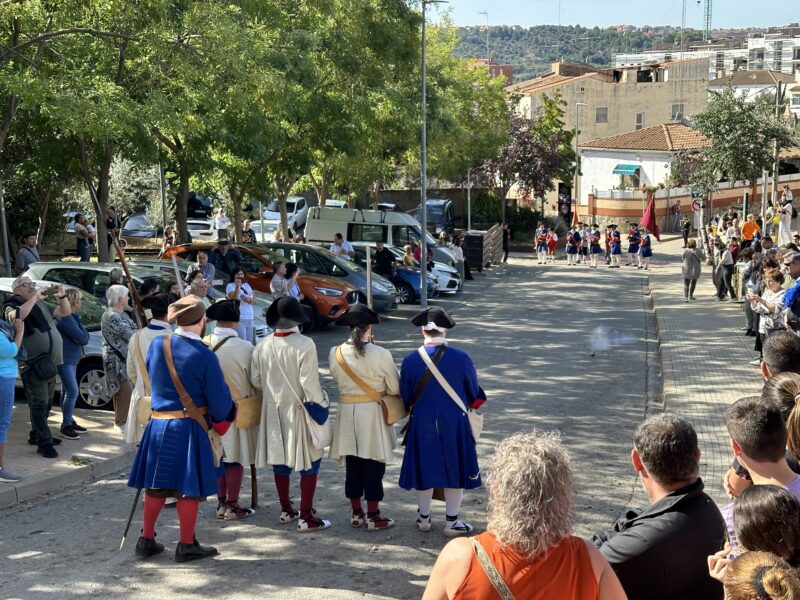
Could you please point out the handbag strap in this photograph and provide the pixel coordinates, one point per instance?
(237, 395)
(189, 406)
(140, 359)
(440, 378)
(497, 581)
(280, 368)
(367, 389)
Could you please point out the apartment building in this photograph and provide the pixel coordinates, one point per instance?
(613, 101)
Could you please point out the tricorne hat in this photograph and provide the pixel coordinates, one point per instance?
(224, 310)
(157, 304)
(285, 313)
(358, 315)
(186, 311)
(434, 318)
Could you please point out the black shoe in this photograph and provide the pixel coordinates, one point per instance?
(188, 552)
(32, 441)
(47, 451)
(148, 547)
(78, 428)
(69, 433)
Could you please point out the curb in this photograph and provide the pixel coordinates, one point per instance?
(657, 360)
(29, 489)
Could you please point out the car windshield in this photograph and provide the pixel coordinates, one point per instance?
(345, 265)
(137, 223)
(273, 206)
(91, 310)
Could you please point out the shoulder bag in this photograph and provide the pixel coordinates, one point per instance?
(497, 581)
(475, 418)
(392, 407)
(42, 365)
(248, 408)
(321, 433)
(144, 404)
(426, 377)
(214, 438)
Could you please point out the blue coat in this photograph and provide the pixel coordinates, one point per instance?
(175, 453)
(647, 248)
(633, 243)
(440, 451)
(74, 336)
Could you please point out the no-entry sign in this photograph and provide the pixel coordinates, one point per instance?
(696, 205)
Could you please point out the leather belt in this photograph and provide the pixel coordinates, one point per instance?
(354, 399)
(175, 414)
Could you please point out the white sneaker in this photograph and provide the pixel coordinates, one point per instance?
(424, 524)
(457, 527)
(288, 517)
(755, 363)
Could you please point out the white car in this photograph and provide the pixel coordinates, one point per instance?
(296, 211)
(333, 203)
(267, 235)
(446, 276)
(202, 230)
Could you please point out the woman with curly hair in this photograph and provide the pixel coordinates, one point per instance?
(528, 551)
(761, 576)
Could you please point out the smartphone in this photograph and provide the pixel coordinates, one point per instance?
(50, 290)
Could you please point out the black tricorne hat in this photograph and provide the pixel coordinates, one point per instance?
(285, 313)
(224, 310)
(358, 315)
(435, 315)
(157, 304)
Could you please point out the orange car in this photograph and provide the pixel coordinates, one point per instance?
(326, 296)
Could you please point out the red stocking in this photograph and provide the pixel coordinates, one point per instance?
(187, 516)
(152, 506)
(282, 483)
(234, 473)
(308, 484)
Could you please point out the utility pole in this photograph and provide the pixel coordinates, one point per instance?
(485, 13)
(775, 149)
(6, 250)
(577, 154)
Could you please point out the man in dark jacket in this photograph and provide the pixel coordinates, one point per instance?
(225, 258)
(660, 552)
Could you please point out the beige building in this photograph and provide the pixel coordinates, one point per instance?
(613, 101)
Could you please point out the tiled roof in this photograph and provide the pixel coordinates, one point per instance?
(666, 138)
(745, 78)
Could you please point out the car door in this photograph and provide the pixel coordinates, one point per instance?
(309, 262)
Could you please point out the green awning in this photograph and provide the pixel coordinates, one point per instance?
(626, 169)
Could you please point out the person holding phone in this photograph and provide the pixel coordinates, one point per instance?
(10, 345)
(44, 352)
(292, 273)
(239, 289)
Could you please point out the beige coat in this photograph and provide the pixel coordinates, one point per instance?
(141, 339)
(234, 358)
(283, 437)
(360, 429)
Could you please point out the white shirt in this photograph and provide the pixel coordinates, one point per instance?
(225, 332)
(338, 249)
(188, 334)
(222, 221)
(458, 254)
(245, 308)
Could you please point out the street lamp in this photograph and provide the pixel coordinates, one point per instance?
(485, 13)
(577, 153)
(423, 256)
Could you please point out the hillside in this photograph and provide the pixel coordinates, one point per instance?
(531, 50)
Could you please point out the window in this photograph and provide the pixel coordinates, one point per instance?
(639, 120)
(250, 263)
(74, 277)
(601, 114)
(403, 235)
(677, 111)
(310, 262)
(796, 101)
(366, 232)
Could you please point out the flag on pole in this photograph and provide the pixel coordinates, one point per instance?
(649, 217)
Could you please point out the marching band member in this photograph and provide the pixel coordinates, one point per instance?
(615, 247)
(646, 251)
(595, 248)
(541, 243)
(633, 245)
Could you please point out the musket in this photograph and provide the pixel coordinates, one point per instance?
(253, 487)
(138, 308)
(130, 517)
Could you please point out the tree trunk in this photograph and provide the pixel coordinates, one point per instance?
(100, 204)
(283, 185)
(182, 202)
(376, 189)
(44, 204)
(236, 199)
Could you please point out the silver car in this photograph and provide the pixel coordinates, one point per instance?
(90, 374)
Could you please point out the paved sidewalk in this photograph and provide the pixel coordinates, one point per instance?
(97, 454)
(705, 358)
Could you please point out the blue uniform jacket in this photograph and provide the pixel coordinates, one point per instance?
(175, 453)
(75, 337)
(440, 450)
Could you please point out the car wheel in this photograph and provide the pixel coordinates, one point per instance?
(92, 391)
(405, 295)
(313, 322)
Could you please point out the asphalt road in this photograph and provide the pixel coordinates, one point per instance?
(530, 330)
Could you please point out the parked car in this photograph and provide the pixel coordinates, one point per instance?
(328, 297)
(202, 230)
(446, 276)
(217, 290)
(313, 259)
(296, 210)
(94, 279)
(267, 234)
(90, 374)
(137, 232)
(406, 280)
(440, 212)
(199, 206)
(333, 203)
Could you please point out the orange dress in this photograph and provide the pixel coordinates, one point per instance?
(565, 573)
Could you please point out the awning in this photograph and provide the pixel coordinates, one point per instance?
(626, 169)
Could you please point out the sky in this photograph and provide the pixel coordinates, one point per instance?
(602, 13)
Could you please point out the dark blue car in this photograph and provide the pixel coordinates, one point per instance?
(406, 279)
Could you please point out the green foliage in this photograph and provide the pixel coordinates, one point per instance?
(532, 50)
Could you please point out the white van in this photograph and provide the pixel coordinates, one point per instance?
(356, 225)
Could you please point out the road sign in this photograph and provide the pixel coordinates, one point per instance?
(696, 205)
